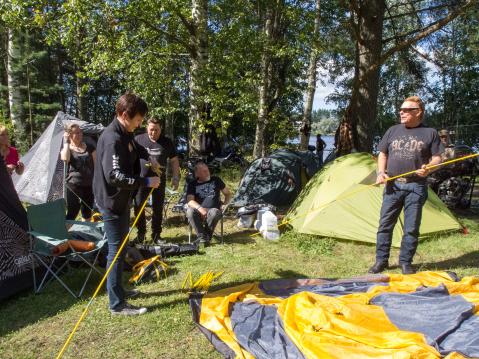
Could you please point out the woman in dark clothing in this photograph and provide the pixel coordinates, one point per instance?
(80, 159)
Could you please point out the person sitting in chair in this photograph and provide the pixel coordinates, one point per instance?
(204, 203)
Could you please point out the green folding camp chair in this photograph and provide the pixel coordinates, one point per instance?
(48, 230)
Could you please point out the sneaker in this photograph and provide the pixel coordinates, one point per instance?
(202, 239)
(158, 241)
(132, 293)
(128, 309)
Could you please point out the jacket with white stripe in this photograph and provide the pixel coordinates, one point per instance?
(117, 168)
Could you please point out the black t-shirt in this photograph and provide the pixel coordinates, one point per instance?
(80, 167)
(161, 150)
(207, 194)
(409, 148)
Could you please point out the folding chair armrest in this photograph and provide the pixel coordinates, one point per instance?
(95, 225)
(44, 244)
(44, 238)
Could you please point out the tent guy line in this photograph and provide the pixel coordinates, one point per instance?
(90, 302)
(350, 194)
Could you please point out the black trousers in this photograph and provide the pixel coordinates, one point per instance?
(157, 203)
(79, 198)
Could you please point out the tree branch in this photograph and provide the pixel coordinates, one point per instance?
(189, 26)
(404, 4)
(426, 31)
(169, 35)
(427, 58)
(416, 11)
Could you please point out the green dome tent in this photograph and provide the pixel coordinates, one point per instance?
(339, 202)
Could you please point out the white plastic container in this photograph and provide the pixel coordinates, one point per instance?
(269, 226)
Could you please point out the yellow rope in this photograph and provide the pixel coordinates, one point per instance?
(349, 194)
(85, 311)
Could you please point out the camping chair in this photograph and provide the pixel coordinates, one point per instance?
(169, 196)
(190, 228)
(48, 230)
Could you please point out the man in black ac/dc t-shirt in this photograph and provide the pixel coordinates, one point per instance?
(204, 202)
(161, 148)
(409, 146)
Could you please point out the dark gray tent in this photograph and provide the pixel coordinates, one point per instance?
(42, 180)
(15, 262)
(276, 179)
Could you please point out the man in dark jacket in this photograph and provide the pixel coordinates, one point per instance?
(116, 177)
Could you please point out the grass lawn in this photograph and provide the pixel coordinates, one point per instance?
(36, 326)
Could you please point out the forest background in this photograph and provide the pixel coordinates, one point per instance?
(248, 68)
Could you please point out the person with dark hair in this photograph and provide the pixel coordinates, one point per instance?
(116, 177)
(10, 153)
(80, 159)
(406, 147)
(161, 148)
(204, 202)
(320, 146)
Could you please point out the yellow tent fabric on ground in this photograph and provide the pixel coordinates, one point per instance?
(338, 327)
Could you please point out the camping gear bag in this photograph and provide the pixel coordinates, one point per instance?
(168, 250)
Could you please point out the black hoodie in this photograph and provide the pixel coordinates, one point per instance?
(117, 168)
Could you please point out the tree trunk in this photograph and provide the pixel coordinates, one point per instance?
(264, 88)
(61, 93)
(3, 71)
(197, 82)
(311, 89)
(357, 126)
(82, 100)
(15, 99)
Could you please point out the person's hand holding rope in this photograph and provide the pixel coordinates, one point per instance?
(382, 177)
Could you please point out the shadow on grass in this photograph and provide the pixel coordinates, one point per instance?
(243, 237)
(468, 260)
(26, 307)
(289, 274)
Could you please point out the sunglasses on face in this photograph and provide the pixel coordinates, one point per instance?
(408, 109)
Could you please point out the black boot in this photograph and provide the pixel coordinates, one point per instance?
(378, 267)
(406, 268)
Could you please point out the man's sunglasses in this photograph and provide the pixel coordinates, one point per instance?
(408, 109)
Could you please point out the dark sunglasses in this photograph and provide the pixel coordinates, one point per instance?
(408, 109)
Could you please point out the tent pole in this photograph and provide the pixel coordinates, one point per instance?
(64, 180)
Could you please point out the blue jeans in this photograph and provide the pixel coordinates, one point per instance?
(410, 196)
(116, 228)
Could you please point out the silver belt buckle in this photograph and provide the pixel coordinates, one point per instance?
(401, 180)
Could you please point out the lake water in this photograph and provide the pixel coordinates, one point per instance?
(312, 142)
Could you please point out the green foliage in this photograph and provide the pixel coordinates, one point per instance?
(324, 121)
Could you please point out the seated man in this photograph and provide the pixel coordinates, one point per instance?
(204, 204)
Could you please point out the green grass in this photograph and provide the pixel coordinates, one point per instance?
(36, 326)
